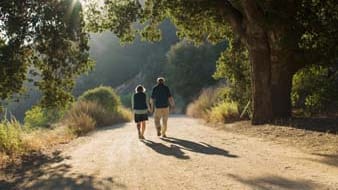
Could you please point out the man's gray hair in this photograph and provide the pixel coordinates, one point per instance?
(160, 79)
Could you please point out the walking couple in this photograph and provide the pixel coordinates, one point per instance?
(160, 101)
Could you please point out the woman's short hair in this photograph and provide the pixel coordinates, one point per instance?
(140, 88)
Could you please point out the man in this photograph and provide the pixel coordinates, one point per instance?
(160, 100)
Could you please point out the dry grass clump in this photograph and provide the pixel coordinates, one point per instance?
(80, 123)
(223, 112)
(40, 139)
(200, 107)
(17, 140)
(213, 107)
(95, 111)
(85, 116)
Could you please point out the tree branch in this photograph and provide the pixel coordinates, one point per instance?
(252, 11)
(233, 15)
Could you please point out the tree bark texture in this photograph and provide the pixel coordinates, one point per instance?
(259, 55)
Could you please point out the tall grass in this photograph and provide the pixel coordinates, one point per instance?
(101, 116)
(17, 140)
(85, 116)
(223, 112)
(81, 123)
(200, 107)
(212, 105)
(11, 137)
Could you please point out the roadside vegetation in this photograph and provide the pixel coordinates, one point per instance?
(314, 91)
(44, 128)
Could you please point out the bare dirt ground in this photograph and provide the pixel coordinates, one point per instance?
(193, 157)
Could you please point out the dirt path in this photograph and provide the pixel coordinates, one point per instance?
(193, 157)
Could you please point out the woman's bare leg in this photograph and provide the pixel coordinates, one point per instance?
(138, 125)
(143, 128)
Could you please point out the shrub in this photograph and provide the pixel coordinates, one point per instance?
(42, 117)
(10, 137)
(103, 95)
(122, 115)
(223, 112)
(101, 116)
(315, 89)
(80, 123)
(92, 109)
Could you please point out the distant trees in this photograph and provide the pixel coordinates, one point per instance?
(116, 63)
(190, 68)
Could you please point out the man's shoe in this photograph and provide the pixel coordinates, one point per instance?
(164, 136)
(158, 133)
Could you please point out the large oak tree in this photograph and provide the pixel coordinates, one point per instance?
(280, 36)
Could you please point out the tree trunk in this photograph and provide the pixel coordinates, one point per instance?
(283, 66)
(261, 77)
(281, 84)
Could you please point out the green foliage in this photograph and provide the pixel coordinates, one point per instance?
(39, 116)
(315, 89)
(318, 21)
(234, 67)
(199, 21)
(119, 16)
(11, 137)
(42, 42)
(104, 96)
(190, 68)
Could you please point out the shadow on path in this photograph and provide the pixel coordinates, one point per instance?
(325, 125)
(201, 147)
(275, 182)
(48, 172)
(111, 127)
(329, 159)
(171, 150)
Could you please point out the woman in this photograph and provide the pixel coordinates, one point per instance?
(140, 106)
